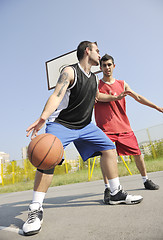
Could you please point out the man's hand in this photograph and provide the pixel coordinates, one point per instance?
(160, 109)
(35, 127)
(122, 95)
(103, 97)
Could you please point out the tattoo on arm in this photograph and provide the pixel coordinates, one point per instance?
(63, 81)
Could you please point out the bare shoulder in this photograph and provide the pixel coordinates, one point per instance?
(67, 74)
(127, 87)
(69, 70)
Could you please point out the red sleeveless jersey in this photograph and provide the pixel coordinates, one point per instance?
(111, 116)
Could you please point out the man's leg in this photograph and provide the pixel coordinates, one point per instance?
(127, 144)
(110, 170)
(109, 164)
(112, 173)
(42, 181)
(35, 216)
(139, 160)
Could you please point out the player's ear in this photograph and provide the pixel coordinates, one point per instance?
(87, 50)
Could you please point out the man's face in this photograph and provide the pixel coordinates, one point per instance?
(107, 68)
(94, 56)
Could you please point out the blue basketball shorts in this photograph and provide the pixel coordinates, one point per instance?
(89, 141)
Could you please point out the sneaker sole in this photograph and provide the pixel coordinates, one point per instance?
(125, 202)
(32, 232)
(152, 188)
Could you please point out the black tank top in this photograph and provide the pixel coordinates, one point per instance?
(80, 100)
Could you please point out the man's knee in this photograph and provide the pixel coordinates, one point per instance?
(49, 171)
(109, 152)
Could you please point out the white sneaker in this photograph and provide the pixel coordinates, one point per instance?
(35, 219)
(124, 197)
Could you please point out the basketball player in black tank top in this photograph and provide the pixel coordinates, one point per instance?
(91, 137)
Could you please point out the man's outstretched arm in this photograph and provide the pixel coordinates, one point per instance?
(141, 99)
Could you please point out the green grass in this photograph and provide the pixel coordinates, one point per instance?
(82, 176)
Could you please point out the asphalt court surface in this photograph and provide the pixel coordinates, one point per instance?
(77, 212)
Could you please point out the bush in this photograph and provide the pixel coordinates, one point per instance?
(158, 146)
(61, 169)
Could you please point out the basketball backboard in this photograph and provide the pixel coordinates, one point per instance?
(55, 65)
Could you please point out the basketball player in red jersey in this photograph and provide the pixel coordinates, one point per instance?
(111, 117)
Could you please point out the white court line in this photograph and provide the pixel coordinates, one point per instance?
(10, 229)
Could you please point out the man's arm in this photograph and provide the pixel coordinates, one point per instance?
(141, 99)
(102, 97)
(66, 78)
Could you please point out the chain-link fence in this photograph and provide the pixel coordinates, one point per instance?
(150, 142)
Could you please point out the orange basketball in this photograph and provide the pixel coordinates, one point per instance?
(45, 151)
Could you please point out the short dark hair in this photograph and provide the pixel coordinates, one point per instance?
(105, 58)
(81, 48)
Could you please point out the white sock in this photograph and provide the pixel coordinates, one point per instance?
(107, 185)
(38, 197)
(144, 178)
(114, 185)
